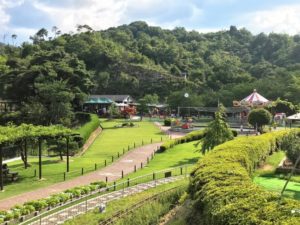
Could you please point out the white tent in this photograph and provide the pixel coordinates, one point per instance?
(294, 117)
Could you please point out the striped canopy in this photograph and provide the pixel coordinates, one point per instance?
(255, 98)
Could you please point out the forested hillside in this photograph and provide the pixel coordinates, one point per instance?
(137, 59)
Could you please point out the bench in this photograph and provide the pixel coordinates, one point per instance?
(12, 176)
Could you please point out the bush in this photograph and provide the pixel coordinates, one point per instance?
(167, 122)
(291, 145)
(259, 118)
(223, 191)
(88, 128)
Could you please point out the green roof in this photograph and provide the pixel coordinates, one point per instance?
(99, 101)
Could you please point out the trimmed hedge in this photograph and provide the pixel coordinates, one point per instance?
(192, 136)
(88, 128)
(37, 205)
(223, 191)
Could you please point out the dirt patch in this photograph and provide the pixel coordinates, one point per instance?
(266, 167)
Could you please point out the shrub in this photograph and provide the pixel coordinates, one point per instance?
(291, 145)
(222, 188)
(167, 122)
(259, 118)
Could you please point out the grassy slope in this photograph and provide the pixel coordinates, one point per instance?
(109, 143)
(93, 217)
(173, 157)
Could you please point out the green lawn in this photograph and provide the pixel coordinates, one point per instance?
(275, 184)
(110, 142)
(93, 217)
(174, 157)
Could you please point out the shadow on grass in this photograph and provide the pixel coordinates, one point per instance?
(186, 161)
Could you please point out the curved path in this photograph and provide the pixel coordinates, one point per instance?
(112, 172)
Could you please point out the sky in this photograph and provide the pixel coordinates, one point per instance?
(25, 17)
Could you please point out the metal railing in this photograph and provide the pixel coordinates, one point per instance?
(113, 191)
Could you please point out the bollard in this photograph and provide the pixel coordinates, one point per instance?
(134, 168)
(112, 158)
(106, 179)
(122, 174)
(105, 163)
(64, 176)
(114, 185)
(141, 165)
(128, 184)
(95, 166)
(81, 171)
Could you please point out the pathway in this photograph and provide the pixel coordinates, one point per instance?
(66, 214)
(112, 172)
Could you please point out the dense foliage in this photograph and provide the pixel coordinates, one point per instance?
(291, 144)
(258, 118)
(52, 76)
(224, 193)
(217, 132)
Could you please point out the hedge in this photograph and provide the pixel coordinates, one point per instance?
(88, 128)
(223, 191)
(192, 136)
(54, 200)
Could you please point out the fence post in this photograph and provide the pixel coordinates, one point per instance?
(161, 138)
(153, 176)
(122, 174)
(134, 144)
(118, 155)
(82, 171)
(105, 163)
(86, 208)
(112, 158)
(141, 165)
(34, 174)
(180, 170)
(151, 141)
(142, 142)
(128, 148)
(64, 176)
(123, 151)
(134, 168)
(106, 179)
(95, 166)
(128, 180)
(147, 159)
(114, 185)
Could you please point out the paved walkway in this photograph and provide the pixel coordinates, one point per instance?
(112, 172)
(69, 213)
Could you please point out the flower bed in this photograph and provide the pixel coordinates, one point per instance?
(32, 208)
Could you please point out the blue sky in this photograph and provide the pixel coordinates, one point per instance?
(25, 17)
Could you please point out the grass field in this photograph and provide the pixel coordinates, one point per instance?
(110, 142)
(174, 157)
(275, 184)
(272, 182)
(93, 217)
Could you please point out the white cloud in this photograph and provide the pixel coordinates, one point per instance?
(280, 19)
(104, 14)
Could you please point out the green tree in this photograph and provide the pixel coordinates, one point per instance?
(217, 132)
(259, 118)
(142, 107)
